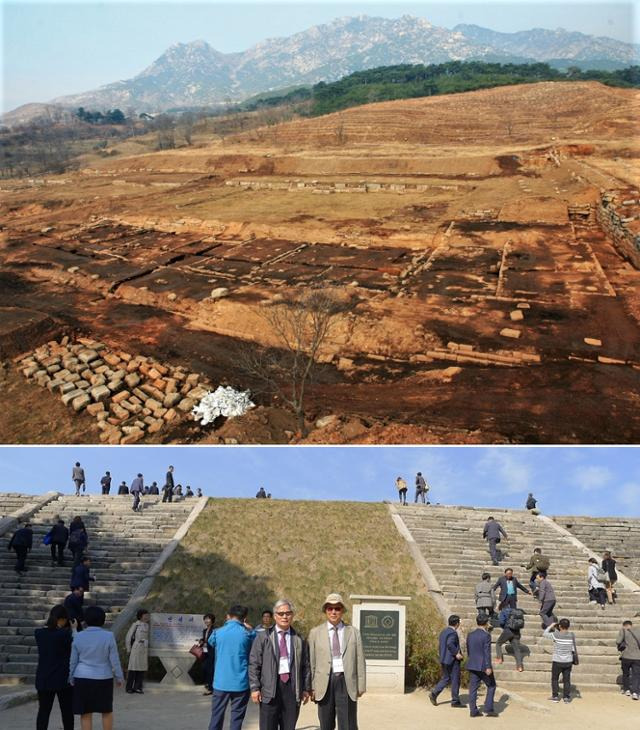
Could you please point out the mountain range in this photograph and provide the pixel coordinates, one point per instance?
(195, 74)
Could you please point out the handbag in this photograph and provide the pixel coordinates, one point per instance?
(197, 651)
(46, 540)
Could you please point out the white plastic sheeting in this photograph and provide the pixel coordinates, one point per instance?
(223, 401)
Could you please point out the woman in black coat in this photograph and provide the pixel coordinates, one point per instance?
(609, 567)
(208, 660)
(52, 674)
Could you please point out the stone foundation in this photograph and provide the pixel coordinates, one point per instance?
(618, 214)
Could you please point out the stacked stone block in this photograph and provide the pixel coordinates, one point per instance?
(129, 396)
(618, 214)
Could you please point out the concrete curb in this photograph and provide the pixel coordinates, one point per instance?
(623, 580)
(18, 698)
(430, 580)
(127, 614)
(25, 513)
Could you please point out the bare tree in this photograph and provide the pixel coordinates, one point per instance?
(165, 126)
(301, 326)
(187, 122)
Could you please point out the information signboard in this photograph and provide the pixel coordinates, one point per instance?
(174, 631)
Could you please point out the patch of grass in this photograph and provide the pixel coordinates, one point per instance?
(256, 551)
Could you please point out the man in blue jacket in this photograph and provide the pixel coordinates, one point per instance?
(450, 659)
(480, 669)
(232, 644)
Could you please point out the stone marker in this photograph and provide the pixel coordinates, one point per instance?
(382, 624)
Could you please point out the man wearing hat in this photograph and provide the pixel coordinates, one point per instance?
(338, 669)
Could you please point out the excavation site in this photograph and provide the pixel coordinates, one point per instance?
(484, 248)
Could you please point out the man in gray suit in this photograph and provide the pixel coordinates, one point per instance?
(338, 669)
(77, 475)
(279, 673)
(492, 531)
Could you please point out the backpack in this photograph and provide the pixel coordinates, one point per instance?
(601, 575)
(503, 617)
(76, 538)
(515, 620)
(543, 563)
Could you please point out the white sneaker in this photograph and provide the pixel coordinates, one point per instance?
(634, 696)
(628, 692)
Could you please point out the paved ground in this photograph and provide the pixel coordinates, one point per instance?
(171, 710)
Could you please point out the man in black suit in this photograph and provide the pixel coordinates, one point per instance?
(450, 660)
(167, 490)
(74, 603)
(59, 535)
(509, 586)
(105, 483)
(21, 543)
(279, 671)
(81, 574)
(480, 669)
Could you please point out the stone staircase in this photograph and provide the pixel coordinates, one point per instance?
(123, 546)
(620, 535)
(450, 539)
(11, 502)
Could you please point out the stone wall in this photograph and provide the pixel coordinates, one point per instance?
(618, 213)
(316, 186)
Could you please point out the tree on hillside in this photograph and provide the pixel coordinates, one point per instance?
(164, 126)
(301, 326)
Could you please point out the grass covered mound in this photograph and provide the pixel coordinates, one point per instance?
(256, 551)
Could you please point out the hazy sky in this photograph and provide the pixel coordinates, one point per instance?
(54, 48)
(566, 480)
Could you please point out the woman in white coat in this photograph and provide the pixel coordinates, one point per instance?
(597, 592)
(137, 643)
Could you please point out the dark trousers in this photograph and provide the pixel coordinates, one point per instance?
(281, 713)
(136, 501)
(45, 705)
(546, 613)
(105, 490)
(450, 675)
(493, 550)
(239, 702)
(420, 495)
(208, 664)
(475, 679)
(558, 668)
(631, 675)
(402, 496)
(337, 704)
(77, 553)
(599, 595)
(510, 602)
(167, 495)
(134, 680)
(57, 552)
(508, 636)
(21, 557)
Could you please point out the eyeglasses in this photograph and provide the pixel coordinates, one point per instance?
(284, 613)
(334, 608)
